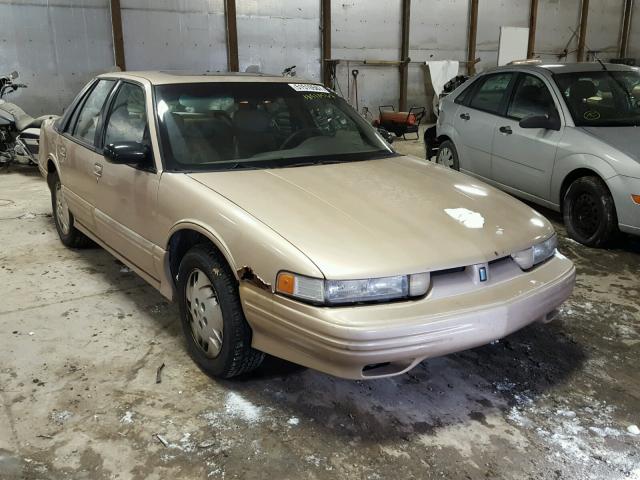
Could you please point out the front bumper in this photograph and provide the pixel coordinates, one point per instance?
(381, 340)
(622, 187)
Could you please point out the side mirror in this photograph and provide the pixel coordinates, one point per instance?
(127, 153)
(13, 75)
(388, 136)
(548, 122)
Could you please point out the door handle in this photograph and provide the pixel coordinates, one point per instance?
(97, 170)
(506, 130)
(465, 116)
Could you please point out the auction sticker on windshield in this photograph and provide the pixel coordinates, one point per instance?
(308, 87)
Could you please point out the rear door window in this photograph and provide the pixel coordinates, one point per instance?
(491, 94)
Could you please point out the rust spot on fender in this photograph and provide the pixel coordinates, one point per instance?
(246, 274)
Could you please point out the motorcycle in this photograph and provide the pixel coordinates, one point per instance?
(19, 132)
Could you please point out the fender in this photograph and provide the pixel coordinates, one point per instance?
(564, 166)
(207, 231)
(47, 154)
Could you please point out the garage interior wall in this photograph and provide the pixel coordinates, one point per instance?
(57, 45)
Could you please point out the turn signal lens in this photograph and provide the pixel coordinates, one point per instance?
(286, 283)
(305, 288)
(636, 199)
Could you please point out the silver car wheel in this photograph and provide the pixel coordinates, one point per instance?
(445, 157)
(205, 314)
(62, 211)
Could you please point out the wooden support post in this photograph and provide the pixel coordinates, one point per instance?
(582, 34)
(233, 64)
(326, 41)
(116, 34)
(533, 20)
(626, 28)
(404, 55)
(473, 33)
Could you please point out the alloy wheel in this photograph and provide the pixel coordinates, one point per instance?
(445, 157)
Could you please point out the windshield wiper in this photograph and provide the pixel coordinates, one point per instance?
(239, 165)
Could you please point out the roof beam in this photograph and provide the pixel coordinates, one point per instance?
(233, 63)
(582, 35)
(325, 20)
(626, 28)
(473, 34)
(116, 34)
(533, 20)
(404, 55)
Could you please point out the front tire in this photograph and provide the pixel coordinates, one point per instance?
(448, 155)
(589, 212)
(217, 333)
(69, 235)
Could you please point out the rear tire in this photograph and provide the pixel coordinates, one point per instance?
(448, 155)
(69, 235)
(589, 212)
(217, 334)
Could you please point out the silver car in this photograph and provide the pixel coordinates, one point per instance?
(563, 136)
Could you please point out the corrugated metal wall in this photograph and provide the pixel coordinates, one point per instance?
(57, 45)
(276, 34)
(174, 35)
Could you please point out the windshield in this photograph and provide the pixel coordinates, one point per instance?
(602, 98)
(220, 126)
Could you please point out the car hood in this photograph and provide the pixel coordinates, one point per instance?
(383, 217)
(625, 139)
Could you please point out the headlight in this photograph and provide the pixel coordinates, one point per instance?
(530, 257)
(334, 292)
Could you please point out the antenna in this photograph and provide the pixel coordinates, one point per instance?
(593, 52)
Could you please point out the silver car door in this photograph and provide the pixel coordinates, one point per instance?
(523, 158)
(475, 123)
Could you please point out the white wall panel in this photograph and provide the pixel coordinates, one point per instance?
(275, 34)
(556, 19)
(56, 46)
(493, 14)
(605, 20)
(362, 32)
(174, 35)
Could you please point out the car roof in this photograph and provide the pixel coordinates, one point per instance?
(165, 77)
(567, 67)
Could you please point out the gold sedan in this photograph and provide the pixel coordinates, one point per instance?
(283, 223)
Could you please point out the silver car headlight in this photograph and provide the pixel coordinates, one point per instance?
(336, 292)
(540, 252)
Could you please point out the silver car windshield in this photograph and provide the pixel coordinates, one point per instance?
(602, 98)
(220, 126)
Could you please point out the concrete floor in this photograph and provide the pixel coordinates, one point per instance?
(81, 338)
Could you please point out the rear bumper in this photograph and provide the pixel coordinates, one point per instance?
(343, 341)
